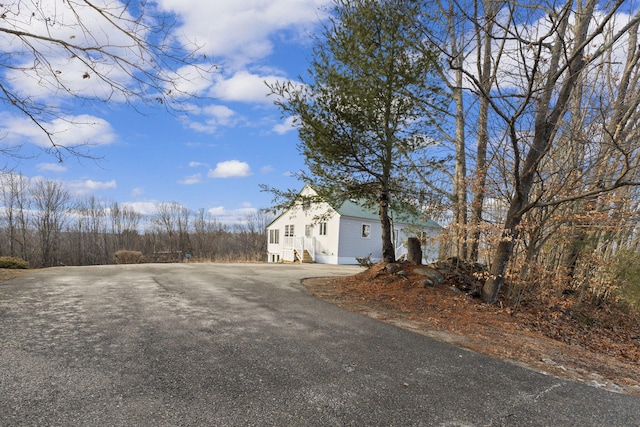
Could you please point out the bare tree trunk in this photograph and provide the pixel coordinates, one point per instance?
(459, 181)
(485, 79)
(547, 117)
(388, 250)
(51, 203)
(502, 253)
(459, 194)
(10, 193)
(414, 255)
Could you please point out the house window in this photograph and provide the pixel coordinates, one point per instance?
(274, 236)
(308, 230)
(288, 230)
(366, 231)
(306, 204)
(323, 229)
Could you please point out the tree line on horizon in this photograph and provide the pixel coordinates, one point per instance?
(41, 223)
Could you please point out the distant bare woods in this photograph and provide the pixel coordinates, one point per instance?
(43, 224)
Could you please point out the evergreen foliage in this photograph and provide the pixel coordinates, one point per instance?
(369, 107)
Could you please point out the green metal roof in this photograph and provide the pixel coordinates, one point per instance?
(356, 210)
(353, 209)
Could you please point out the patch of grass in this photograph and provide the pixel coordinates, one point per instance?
(11, 267)
(8, 274)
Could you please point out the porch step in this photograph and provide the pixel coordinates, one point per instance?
(305, 258)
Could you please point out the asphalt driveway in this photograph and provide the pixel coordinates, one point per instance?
(247, 345)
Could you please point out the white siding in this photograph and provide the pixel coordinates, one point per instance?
(431, 248)
(343, 242)
(431, 251)
(301, 217)
(352, 245)
(327, 246)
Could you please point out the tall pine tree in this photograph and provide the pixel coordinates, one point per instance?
(369, 106)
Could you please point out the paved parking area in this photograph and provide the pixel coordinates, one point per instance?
(247, 345)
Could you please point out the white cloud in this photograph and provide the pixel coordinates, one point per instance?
(89, 186)
(241, 87)
(217, 211)
(240, 31)
(230, 169)
(223, 115)
(197, 164)
(70, 131)
(51, 167)
(190, 180)
(235, 34)
(78, 188)
(213, 117)
(267, 169)
(143, 207)
(245, 87)
(73, 79)
(288, 125)
(233, 216)
(138, 191)
(65, 75)
(190, 79)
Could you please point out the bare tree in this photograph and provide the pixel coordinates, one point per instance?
(16, 206)
(548, 62)
(172, 221)
(201, 241)
(184, 241)
(124, 226)
(452, 41)
(463, 31)
(51, 204)
(13, 186)
(91, 228)
(487, 70)
(598, 153)
(79, 51)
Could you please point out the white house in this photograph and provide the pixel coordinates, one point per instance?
(318, 232)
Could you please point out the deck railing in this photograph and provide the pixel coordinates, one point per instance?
(300, 244)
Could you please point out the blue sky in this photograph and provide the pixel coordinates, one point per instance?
(216, 156)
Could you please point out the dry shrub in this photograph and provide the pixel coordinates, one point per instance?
(13, 262)
(128, 257)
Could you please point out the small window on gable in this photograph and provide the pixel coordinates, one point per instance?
(366, 231)
(306, 204)
(323, 229)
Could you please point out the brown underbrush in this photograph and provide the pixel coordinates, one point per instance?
(554, 333)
